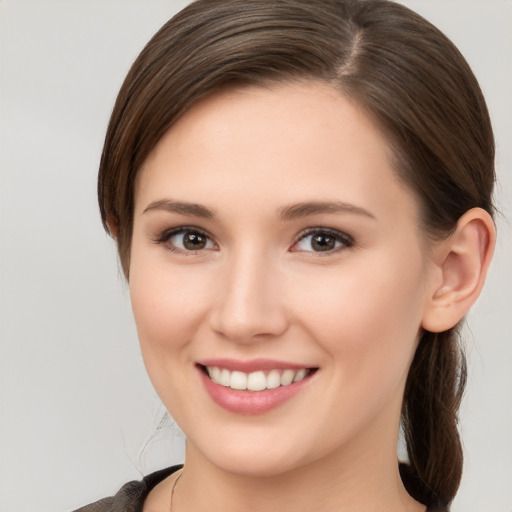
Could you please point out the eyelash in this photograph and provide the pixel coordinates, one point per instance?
(166, 235)
(344, 239)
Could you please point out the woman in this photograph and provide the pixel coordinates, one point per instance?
(300, 193)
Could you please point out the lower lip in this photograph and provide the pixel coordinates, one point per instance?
(251, 402)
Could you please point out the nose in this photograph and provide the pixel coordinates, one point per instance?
(249, 305)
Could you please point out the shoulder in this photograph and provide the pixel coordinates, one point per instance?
(131, 495)
(104, 505)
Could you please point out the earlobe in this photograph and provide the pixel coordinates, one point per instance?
(462, 262)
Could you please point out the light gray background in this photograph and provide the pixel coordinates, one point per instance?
(76, 406)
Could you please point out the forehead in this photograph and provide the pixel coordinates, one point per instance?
(286, 143)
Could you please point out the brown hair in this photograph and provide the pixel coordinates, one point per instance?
(407, 76)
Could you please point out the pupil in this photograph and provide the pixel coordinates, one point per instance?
(194, 241)
(323, 243)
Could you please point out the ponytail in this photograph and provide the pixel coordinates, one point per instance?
(433, 393)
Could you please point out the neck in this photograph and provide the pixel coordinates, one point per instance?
(366, 484)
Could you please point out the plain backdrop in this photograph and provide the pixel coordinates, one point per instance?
(77, 411)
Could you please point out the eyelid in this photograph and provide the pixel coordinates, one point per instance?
(346, 239)
(167, 234)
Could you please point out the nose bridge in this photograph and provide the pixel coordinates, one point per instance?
(248, 305)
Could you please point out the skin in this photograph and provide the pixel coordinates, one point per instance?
(258, 289)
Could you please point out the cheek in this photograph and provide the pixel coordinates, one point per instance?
(367, 315)
(168, 304)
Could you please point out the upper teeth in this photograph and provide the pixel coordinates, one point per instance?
(255, 381)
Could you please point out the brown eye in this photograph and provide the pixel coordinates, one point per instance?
(321, 240)
(186, 240)
(194, 241)
(323, 243)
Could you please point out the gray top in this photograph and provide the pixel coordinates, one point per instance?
(131, 496)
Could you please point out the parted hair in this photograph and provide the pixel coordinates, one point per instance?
(412, 82)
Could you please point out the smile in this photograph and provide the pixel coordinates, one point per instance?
(256, 381)
(254, 387)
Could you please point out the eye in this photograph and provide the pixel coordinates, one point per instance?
(322, 240)
(186, 240)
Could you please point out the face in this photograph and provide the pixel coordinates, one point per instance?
(272, 243)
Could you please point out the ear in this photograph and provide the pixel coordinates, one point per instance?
(113, 226)
(460, 264)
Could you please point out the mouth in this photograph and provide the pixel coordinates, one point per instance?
(257, 380)
(253, 388)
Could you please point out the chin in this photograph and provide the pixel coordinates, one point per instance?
(268, 454)
(260, 465)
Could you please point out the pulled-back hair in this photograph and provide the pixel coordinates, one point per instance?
(412, 82)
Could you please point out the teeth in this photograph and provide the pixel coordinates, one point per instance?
(225, 378)
(300, 375)
(273, 379)
(214, 373)
(287, 377)
(255, 381)
(238, 380)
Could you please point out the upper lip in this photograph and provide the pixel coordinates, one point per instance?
(252, 365)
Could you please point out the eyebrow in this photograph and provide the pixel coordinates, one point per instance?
(286, 213)
(306, 209)
(193, 209)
